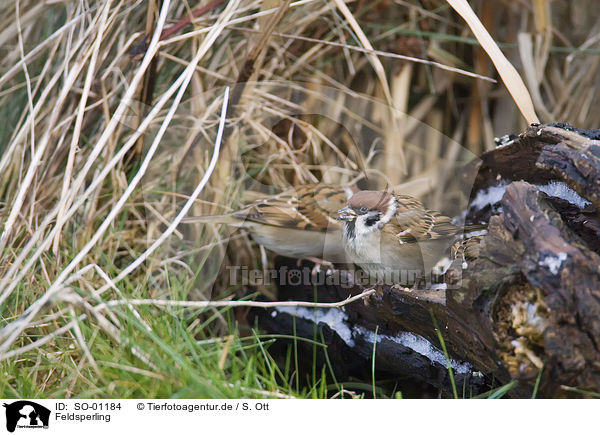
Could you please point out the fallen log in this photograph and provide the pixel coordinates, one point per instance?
(525, 312)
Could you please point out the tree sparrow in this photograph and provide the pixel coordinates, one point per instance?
(299, 223)
(393, 237)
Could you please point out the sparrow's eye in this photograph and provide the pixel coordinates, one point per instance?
(364, 209)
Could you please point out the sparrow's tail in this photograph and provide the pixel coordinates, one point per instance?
(228, 219)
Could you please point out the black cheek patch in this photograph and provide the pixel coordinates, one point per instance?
(372, 221)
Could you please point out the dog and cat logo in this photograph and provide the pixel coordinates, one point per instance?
(26, 414)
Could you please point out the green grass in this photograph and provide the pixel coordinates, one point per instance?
(176, 353)
(497, 393)
(168, 361)
(163, 353)
(446, 354)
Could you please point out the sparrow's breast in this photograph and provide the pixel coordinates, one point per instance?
(362, 248)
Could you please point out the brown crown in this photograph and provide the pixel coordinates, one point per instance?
(372, 199)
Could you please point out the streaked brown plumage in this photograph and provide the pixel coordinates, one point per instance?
(467, 250)
(387, 233)
(299, 223)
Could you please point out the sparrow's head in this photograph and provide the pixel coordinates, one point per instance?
(368, 210)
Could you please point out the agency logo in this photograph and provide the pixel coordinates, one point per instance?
(25, 414)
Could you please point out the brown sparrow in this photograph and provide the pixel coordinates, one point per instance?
(299, 223)
(393, 237)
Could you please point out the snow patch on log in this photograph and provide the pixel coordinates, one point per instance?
(562, 191)
(419, 345)
(493, 194)
(336, 319)
(333, 317)
(507, 139)
(489, 196)
(553, 263)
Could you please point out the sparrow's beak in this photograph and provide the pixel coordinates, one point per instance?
(346, 214)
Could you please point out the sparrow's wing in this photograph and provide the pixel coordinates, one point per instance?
(414, 223)
(320, 203)
(311, 207)
(468, 249)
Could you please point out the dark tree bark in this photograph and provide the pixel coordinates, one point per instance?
(526, 309)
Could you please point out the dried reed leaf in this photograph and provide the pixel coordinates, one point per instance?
(531, 74)
(507, 71)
